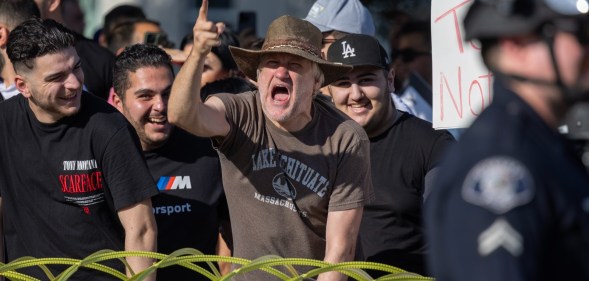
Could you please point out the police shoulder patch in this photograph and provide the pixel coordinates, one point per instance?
(498, 184)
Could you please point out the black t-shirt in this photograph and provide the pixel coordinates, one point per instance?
(511, 201)
(191, 199)
(62, 183)
(391, 231)
(97, 65)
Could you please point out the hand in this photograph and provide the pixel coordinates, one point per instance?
(206, 33)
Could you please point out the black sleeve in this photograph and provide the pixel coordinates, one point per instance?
(439, 147)
(125, 171)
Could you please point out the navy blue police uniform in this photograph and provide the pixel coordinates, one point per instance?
(511, 201)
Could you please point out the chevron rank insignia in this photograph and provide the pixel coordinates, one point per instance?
(498, 184)
(500, 235)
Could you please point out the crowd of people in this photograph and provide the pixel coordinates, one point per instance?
(311, 142)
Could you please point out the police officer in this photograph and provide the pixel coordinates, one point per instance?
(512, 199)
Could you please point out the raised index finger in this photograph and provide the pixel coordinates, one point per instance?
(204, 10)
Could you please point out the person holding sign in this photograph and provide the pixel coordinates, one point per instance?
(404, 151)
(296, 171)
(512, 202)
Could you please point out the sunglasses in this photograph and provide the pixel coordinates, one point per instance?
(408, 55)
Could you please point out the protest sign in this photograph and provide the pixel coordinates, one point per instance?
(461, 84)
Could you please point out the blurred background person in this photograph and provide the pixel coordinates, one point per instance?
(97, 62)
(219, 63)
(12, 13)
(336, 18)
(73, 16)
(117, 15)
(138, 31)
(248, 39)
(412, 61)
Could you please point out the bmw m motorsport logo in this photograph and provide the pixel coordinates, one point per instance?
(175, 182)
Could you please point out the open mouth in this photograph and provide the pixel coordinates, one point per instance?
(280, 94)
(158, 120)
(69, 97)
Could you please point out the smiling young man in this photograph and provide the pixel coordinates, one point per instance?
(142, 85)
(404, 151)
(190, 205)
(295, 170)
(74, 181)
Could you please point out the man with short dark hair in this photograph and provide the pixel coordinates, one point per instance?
(191, 204)
(295, 170)
(404, 150)
(512, 198)
(74, 181)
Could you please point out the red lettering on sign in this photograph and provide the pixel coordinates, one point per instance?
(448, 90)
(457, 31)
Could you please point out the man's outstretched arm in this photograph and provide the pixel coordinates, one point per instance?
(185, 109)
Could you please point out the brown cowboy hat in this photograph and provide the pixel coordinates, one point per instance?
(290, 35)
